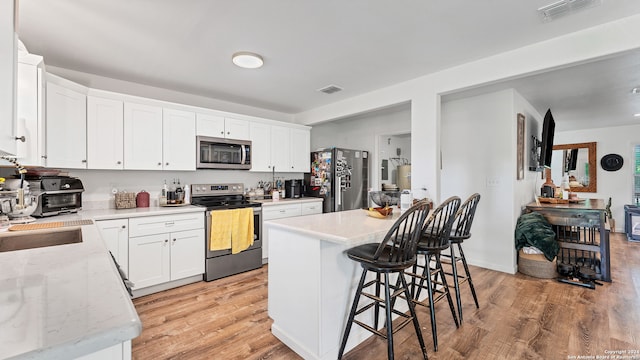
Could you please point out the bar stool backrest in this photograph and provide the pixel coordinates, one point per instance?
(437, 229)
(464, 217)
(400, 242)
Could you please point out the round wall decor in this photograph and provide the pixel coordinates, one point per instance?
(611, 162)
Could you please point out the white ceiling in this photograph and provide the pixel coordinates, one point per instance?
(360, 45)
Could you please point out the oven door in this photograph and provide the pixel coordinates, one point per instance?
(219, 153)
(59, 202)
(257, 234)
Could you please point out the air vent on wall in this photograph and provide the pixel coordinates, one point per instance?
(330, 89)
(565, 7)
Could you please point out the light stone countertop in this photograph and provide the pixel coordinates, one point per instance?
(351, 228)
(64, 301)
(270, 202)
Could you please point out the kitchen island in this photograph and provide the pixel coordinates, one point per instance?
(312, 282)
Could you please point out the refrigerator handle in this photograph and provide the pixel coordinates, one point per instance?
(338, 191)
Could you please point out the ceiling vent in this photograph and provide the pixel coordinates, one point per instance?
(565, 7)
(330, 89)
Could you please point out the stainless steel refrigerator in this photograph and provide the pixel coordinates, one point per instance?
(341, 177)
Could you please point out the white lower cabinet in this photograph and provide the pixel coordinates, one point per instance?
(165, 248)
(115, 234)
(280, 211)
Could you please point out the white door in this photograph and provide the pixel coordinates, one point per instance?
(115, 234)
(142, 137)
(300, 150)
(66, 128)
(260, 136)
(280, 148)
(149, 262)
(105, 124)
(210, 125)
(187, 253)
(178, 140)
(236, 129)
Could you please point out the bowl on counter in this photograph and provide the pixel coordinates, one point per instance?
(380, 212)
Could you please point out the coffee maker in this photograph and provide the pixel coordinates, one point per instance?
(293, 188)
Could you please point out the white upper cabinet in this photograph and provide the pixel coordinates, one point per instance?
(260, 136)
(105, 124)
(66, 128)
(7, 77)
(178, 140)
(300, 150)
(222, 127)
(30, 129)
(279, 148)
(142, 137)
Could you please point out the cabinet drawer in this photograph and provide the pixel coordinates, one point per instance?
(312, 208)
(150, 225)
(281, 211)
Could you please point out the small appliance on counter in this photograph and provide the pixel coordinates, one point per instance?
(56, 194)
(293, 188)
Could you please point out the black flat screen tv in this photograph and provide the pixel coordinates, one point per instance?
(546, 147)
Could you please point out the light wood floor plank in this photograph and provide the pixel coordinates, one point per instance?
(520, 317)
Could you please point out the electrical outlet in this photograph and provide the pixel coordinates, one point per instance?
(493, 182)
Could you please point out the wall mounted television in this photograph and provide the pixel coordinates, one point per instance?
(546, 143)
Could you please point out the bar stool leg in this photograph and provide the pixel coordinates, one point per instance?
(466, 270)
(412, 310)
(432, 313)
(377, 305)
(446, 289)
(387, 305)
(456, 283)
(352, 314)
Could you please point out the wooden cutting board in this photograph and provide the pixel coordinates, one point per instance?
(49, 225)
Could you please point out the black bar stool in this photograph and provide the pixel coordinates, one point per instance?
(461, 230)
(394, 254)
(434, 238)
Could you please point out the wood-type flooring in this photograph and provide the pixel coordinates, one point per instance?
(520, 317)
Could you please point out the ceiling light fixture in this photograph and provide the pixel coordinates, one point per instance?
(247, 60)
(635, 90)
(636, 114)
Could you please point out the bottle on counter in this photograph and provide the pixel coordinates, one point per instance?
(565, 187)
(162, 200)
(179, 193)
(187, 194)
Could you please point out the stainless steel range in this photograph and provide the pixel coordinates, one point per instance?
(215, 197)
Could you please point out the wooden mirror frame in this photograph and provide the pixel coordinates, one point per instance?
(593, 169)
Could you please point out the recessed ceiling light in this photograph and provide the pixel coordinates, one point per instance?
(635, 90)
(247, 60)
(636, 115)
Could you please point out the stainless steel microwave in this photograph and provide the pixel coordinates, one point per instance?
(220, 153)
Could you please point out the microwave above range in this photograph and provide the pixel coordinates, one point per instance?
(220, 153)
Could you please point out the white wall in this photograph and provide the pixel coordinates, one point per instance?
(615, 184)
(478, 142)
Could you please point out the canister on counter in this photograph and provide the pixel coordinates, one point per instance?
(142, 199)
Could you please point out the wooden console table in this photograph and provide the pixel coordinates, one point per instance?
(581, 233)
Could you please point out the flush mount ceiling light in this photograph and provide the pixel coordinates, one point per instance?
(636, 115)
(635, 90)
(247, 60)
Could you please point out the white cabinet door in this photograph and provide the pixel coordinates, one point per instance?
(30, 112)
(149, 260)
(178, 140)
(7, 78)
(280, 148)
(236, 129)
(66, 128)
(210, 125)
(260, 136)
(300, 150)
(115, 234)
(187, 253)
(142, 137)
(312, 208)
(105, 123)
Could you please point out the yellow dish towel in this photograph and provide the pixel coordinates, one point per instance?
(221, 224)
(241, 230)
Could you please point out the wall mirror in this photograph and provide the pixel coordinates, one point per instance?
(579, 161)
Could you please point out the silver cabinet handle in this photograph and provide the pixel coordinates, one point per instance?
(159, 164)
(119, 162)
(124, 227)
(44, 156)
(221, 132)
(228, 133)
(21, 138)
(84, 160)
(167, 164)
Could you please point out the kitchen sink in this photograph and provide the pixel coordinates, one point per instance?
(12, 241)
